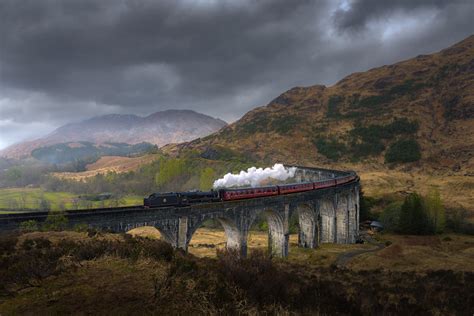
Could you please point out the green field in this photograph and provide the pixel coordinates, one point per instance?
(15, 199)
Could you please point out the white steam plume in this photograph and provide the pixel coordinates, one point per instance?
(255, 176)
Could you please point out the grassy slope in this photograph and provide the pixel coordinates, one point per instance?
(108, 164)
(420, 253)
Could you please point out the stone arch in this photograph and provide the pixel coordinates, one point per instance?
(235, 238)
(167, 235)
(165, 229)
(277, 233)
(308, 234)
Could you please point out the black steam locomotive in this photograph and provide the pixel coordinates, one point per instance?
(181, 198)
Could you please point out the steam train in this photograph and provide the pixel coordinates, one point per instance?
(192, 197)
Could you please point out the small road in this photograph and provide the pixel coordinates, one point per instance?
(344, 258)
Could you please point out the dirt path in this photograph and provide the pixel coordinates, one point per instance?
(344, 258)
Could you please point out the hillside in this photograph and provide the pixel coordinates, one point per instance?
(428, 100)
(404, 126)
(108, 164)
(65, 153)
(160, 128)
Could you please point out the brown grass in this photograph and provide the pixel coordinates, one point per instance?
(405, 252)
(116, 282)
(455, 191)
(420, 253)
(108, 164)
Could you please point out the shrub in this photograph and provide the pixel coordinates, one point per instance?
(330, 148)
(157, 249)
(216, 152)
(367, 140)
(29, 226)
(406, 150)
(450, 105)
(56, 221)
(256, 275)
(435, 210)
(390, 217)
(37, 243)
(364, 149)
(413, 217)
(457, 221)
(8, 244)
(81, 228)
(89, 250)
(401, 126)
(376, 132)
(372, 101)
(258, 123)
(333, 104)
(365, 206)
(285, 124)
(407, 87)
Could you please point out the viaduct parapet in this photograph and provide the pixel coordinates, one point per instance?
(329, 215)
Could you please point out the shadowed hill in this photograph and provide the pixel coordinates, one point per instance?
(418, 112)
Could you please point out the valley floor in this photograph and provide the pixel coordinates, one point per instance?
(398, 252)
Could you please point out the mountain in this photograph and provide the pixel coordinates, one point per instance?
(415, 114)
(403, 127)
(160, 128)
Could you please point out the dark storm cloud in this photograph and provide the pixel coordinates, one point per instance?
(67, 60)
(123, 47)
(362, 12)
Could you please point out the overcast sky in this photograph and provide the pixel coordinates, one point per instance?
(63, 61)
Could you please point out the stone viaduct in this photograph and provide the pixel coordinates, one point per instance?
(329, 215)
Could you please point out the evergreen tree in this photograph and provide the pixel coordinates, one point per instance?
(435, 210)
(56, 221)
(413, 219)
(390, 217)
(364, 206)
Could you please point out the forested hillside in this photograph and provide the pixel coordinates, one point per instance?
(88, 152)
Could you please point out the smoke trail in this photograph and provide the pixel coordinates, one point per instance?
(255, 176)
